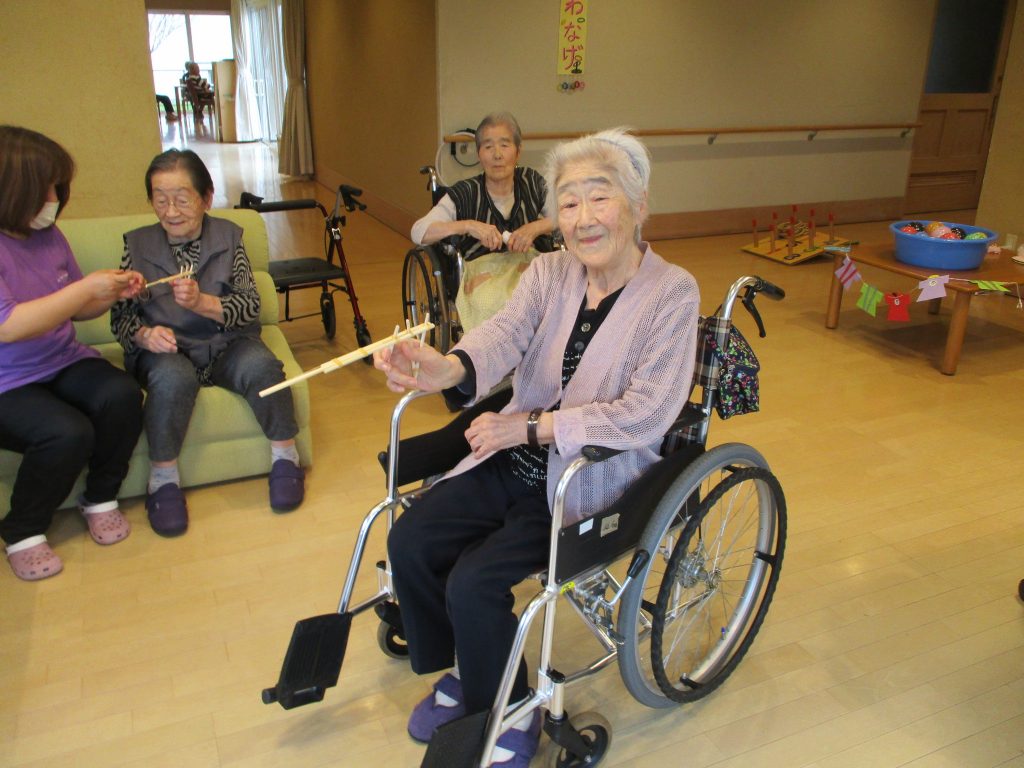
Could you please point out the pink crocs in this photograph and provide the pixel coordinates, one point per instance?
(106, 523)
(32, 559)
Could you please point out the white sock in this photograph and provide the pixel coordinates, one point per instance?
(500, 754)
(289, 452)
(443, 700)
(20, 546)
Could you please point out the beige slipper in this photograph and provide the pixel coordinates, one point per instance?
(32, 559)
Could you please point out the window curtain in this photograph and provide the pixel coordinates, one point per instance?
(296, 145)
(246, 117)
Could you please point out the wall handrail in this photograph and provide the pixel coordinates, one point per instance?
(712, 133)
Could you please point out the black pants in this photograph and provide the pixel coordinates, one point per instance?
(166, 101)
(90, 413)
(455, 556)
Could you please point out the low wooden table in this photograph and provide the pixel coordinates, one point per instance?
(882, 256)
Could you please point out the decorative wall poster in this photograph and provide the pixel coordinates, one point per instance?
(572, 44)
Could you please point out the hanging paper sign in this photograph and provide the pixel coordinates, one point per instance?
(572, 36)
(899, 307)
(990, 285)
(933, 287)
(847, 273)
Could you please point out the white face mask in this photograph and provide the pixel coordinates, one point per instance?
(46, 216)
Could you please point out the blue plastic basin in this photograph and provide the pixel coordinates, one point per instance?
(922, 250)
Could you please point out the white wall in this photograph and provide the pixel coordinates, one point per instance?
(696, 64)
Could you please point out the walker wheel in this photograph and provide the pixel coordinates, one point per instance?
(327, 314)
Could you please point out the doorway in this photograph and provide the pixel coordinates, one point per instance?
(965, 72)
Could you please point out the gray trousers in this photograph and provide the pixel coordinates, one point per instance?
(246, 366)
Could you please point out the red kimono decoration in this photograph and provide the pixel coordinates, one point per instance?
(899, 307)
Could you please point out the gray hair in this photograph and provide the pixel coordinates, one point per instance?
(626, 159)
(501, 118)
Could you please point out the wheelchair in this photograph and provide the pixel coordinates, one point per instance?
(431, 276)
(674, 580)
(297, 274)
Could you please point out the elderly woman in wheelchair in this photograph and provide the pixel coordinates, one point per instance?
(601, 337)
(490, 225)
(590, 473)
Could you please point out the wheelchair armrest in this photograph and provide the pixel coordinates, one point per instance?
(434, 453)
(598, 453)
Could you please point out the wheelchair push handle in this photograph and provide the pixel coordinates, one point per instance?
(770, 290)
(746, 290)
(348, 195)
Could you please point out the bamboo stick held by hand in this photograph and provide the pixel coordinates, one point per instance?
(183, 274)
(416, 332)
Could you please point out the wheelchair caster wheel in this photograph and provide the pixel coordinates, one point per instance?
(391, 642)
(330, 320)
(596, 733)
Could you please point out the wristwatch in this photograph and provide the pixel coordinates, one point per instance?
(531, 427)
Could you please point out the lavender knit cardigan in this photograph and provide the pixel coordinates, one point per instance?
(630, 385)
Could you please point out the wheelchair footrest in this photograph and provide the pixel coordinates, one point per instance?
(457, 744)
(313, 660)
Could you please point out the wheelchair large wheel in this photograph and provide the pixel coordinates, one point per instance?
(422, 294)
(716, 542)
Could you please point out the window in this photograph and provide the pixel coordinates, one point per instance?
(175, 38)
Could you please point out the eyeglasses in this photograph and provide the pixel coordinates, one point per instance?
(182, 202)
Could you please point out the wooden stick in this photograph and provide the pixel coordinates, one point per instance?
(346, 359)
(416, 363)
(183, 274)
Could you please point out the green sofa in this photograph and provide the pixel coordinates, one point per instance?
(224, 441)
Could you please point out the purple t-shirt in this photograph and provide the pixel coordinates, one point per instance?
(37, 266)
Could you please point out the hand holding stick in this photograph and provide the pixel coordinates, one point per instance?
(185, 273)
(418, 331)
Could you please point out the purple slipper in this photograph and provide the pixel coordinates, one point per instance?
(523, 743)
(167, 511)
(428, 715)
(287, 485)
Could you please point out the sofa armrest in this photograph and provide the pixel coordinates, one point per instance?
(268, 298)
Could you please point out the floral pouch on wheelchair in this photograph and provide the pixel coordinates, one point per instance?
(737, 386)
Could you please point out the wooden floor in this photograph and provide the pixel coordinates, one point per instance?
(895, 639)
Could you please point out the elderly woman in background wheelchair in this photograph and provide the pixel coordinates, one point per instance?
(500, 211)
(602, 339)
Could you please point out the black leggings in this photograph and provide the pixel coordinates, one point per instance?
(89, 414)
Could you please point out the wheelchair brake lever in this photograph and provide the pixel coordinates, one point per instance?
(748, 302)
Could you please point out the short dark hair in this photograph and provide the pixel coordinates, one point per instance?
(173, 159)
(29, 163)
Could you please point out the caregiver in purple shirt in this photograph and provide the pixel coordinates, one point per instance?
(62, 407)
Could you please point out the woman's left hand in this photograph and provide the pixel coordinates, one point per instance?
(522, 239)
(186, 292)
(491, 432)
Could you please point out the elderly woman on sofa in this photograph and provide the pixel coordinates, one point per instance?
(199, 328)
(61, 406)
(602, 339)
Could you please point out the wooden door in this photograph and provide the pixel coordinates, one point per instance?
(951, 145)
